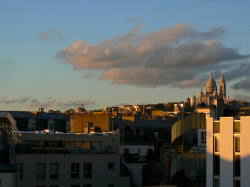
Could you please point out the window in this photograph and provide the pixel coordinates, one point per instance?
(90, 124)
(125, 151)
(203, 138)
(111, 185)
(237, 165)
(75, 170)
(54, 169)
(111, 166)
(216, 183)
(216, 144)
(216, 126)
(237, 144)
(51, 125)
(87, 185)
(40, 171)
(68, 126)
(236, 126)
(20, 169)
(32, 125)
(87, 170)
(216, 164)
(236, 183)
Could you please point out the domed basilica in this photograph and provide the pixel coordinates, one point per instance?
(211, 94)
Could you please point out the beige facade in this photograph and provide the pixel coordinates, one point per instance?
(228, 152)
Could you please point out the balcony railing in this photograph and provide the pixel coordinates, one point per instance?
(65, 150)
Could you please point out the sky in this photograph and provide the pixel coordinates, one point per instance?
(63, 53)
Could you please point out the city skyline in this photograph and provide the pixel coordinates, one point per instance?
(64, 53)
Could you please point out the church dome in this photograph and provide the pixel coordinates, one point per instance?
(211, 85)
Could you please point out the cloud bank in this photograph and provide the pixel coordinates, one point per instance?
(177, 57)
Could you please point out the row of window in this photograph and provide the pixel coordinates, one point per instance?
(236, 165)
(75, 170)
(54, 170)
(87, 169)
(236, 144)
(41, 170)
(32, 125)
(216, 183)
(236, 127)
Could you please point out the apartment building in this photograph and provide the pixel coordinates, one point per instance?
(47, 155)
(228, 152)
(76, 160)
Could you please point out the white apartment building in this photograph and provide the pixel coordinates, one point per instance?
(228, 152)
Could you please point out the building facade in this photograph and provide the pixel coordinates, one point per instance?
(228, 152)
(70, 159)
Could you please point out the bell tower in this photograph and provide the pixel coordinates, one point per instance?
(222, 87)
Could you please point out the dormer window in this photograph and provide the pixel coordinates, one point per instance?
(68, 126)
(32, 125)
(51, 125)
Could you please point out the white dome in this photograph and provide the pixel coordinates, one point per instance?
(211, 85)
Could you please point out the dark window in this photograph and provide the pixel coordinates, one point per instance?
(111, 166)
(90, 124)
(75, 170)
(87, 185)
(54, 169)
(126, 151)
(216, 165)
(237, 165)
(40, 171)
(87, 169)
(236, 183)
(216, 183)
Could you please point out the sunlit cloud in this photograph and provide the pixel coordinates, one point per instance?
(178, 56)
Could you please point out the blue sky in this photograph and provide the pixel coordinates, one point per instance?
(105, 53)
